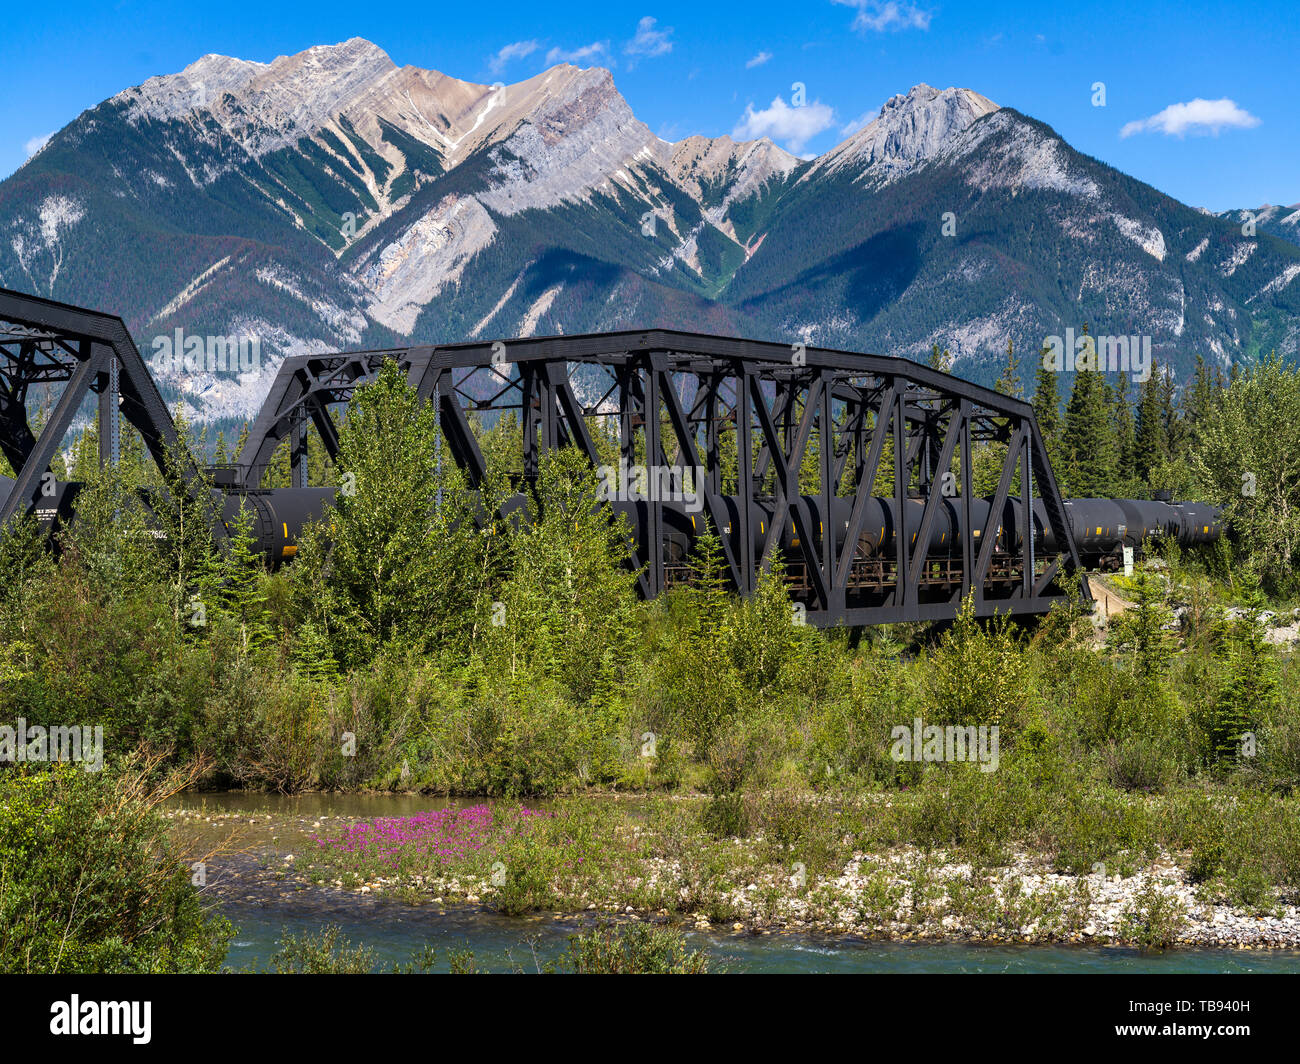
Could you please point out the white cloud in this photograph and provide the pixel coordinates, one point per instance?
(863, 120)
(511, 52)
(882, 15)
(796, 126)
(1195, 116)
(649, 42)
(37, 143)
(758, 60)
(596, 51)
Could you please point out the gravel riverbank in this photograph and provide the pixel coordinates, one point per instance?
(903, 894)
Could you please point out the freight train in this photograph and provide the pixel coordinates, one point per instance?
(1101, 527)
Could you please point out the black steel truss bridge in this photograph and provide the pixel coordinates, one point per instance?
(856, 469)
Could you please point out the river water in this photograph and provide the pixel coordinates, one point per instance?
(270, 827)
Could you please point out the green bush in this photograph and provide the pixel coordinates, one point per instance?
(89, 880)
(635, 949)
(977, 672)
(1152, 920)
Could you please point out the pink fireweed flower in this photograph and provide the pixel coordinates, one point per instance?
(444, 833)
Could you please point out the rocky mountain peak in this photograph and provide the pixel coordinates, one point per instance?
(911, 128)
(332, 199)
(265, 106)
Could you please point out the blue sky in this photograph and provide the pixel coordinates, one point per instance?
(1201, 99)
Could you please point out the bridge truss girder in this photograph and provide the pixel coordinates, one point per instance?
(674, 395)
(46, 343)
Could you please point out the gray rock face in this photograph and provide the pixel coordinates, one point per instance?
(910, 129)
(332, 200)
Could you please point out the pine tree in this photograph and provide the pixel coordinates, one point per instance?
(1150, 439)
(940, 359)
(1200, 399)
(1140, 630)
(1126, 476)
(243, 583)
(1008, 382)
(239, 442)
(709, 583)
(1171, 415)
(1047, 409)
(182, 513)
(1248, 691)
(85, 455)
(1089, 439)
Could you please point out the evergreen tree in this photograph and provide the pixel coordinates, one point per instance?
(386, 565)
(1008, 382)
(1200, 399)
(243, 584)
(239, 443)
(1151, 442)
(1088, 446)
(182, 513)
(940, 359)
(1047, 409)
(1140, 630)
(1248, 690)
(1126, 478)
(568, 603)
(1172, 416)
(708, 588)
(85, 455)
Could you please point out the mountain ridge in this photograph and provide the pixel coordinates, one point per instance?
(335, 200)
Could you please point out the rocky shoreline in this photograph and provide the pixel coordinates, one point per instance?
(1096, 909)
(901, 895)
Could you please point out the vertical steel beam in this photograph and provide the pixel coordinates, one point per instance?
(1026, 513)
(109, 429)
(745, 476)
(298, 458)
(832, 598)
(944, 458)
(654, 459)
(967, 494)
(902, 481)
(866, 483)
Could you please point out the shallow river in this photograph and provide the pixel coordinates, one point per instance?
(270, 827)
